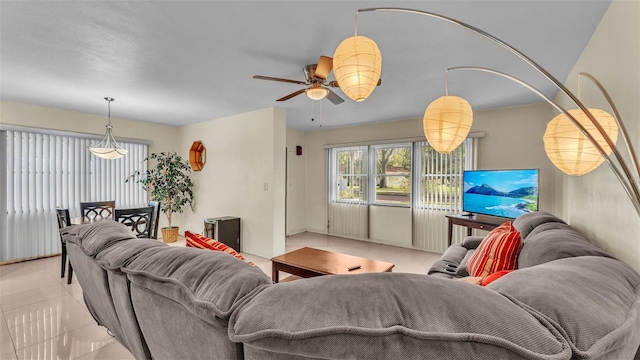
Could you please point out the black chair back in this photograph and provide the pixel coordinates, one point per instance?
(156, 218)
(64, 220)
(138, 219)
(97, 210)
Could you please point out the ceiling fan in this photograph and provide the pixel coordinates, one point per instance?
(316, 80)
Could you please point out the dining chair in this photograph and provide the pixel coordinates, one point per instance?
(64, 220)
(97, 209)
(156, 216)
(138, 219)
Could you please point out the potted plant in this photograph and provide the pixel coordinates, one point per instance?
(169, 183)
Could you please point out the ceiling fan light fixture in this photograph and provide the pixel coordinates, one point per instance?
(317, 92)
(108, 148)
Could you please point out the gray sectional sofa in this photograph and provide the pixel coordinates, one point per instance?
(568, 300)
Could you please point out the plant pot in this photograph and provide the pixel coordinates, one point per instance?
(170, 234)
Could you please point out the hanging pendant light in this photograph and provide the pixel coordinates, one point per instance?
(108, 148)
(447, 122)
(569, 149)
(356, 65)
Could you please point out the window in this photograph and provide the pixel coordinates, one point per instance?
(43, 170)
(350, 174)
(402, 174)
(392, 174)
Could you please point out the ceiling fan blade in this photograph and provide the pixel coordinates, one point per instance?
(334, 98)
(325, 64)
(260, 77)
(292, 95)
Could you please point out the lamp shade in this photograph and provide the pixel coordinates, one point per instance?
(446, 123)
(569, 149)
(356, 65)
(317, 92)
(108, 153)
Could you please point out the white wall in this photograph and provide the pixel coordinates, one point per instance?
(596, 203)
(390, 225)
(296, 182)
(513, 140)
(245, 153)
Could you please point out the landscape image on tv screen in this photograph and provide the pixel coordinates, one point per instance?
(504, 193)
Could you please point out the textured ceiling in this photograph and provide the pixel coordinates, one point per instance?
(183, 62)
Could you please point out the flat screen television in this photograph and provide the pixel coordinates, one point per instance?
(503, 193)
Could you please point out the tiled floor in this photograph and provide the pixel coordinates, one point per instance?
(42, 317)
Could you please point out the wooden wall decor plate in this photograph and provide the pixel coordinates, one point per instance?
(197, 155)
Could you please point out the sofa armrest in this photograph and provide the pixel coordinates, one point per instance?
(471, 242)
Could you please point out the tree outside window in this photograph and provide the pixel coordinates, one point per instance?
(393, 175)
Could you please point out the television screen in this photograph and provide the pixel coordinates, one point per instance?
(504, 193)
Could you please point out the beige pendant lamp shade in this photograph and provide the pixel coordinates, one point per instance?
(569, 149)
(356, 65)
(447, 122)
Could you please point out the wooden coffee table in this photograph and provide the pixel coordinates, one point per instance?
(309, 262)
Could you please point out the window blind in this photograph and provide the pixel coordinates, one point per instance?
(45, 171)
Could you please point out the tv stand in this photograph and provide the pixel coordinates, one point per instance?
(473, 221)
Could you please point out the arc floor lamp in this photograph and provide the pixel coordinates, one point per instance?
(576, 141)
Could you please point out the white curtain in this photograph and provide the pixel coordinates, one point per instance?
(349, 220)
(438, 193)
(44, 171)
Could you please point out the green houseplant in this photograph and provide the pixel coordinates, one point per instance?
(169, 183)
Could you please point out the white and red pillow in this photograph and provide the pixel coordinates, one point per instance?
(203, 242)
(498, 251)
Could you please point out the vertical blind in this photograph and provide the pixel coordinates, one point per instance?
(438, 193)
(45, 171)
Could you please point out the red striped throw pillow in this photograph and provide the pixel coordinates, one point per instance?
(203, 242)
(498, 251)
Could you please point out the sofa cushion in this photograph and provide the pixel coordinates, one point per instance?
(552, 241)
(594, 300)
(95, 237)
(207, 283)
(527, 222)
(391, 316)
(498, 251)
(122, 253)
